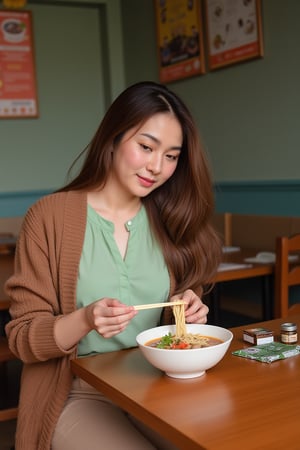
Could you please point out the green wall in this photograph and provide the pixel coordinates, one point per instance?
(247, 114)
(79, 70)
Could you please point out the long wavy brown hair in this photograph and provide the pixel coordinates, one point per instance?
(180, 210)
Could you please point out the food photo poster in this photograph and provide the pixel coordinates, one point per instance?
(179, 39)
(233, 30)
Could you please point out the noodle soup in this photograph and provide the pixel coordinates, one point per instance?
(188, 341)
(193, 362)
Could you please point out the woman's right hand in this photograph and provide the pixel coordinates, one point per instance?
(109, 316)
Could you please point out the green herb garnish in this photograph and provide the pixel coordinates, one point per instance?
(166, 341)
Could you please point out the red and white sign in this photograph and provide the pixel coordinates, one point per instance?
(18, 93)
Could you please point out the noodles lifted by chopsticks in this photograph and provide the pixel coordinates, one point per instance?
(178, 311)
(181, 331)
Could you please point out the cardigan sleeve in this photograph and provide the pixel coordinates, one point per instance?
(34, 291)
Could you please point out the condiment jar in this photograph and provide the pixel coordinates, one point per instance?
(288, 333)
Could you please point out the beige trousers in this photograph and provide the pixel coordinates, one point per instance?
(90, 421)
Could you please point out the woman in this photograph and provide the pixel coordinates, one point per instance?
(132, 227)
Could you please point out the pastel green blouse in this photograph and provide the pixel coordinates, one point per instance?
(141, 277)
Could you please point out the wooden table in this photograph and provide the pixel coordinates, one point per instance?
(238, 404)
(252, 269)
(7, 244)
(263, 270)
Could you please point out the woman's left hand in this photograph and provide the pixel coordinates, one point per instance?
(195, 311)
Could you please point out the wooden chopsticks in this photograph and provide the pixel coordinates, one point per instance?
(158, 305)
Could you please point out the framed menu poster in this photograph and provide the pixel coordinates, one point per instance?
(179, 39)
(18, 93)
(234, 31)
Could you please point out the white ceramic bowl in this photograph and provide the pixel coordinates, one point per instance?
(189, 363)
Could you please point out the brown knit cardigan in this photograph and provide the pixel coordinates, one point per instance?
(42, 289)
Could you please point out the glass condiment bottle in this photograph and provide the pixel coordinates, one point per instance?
(288, 333)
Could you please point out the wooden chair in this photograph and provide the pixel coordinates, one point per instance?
(286, 274)
(222, 223)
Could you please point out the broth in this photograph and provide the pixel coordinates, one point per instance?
(171, 342)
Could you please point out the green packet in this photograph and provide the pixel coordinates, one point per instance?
(273, 351)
